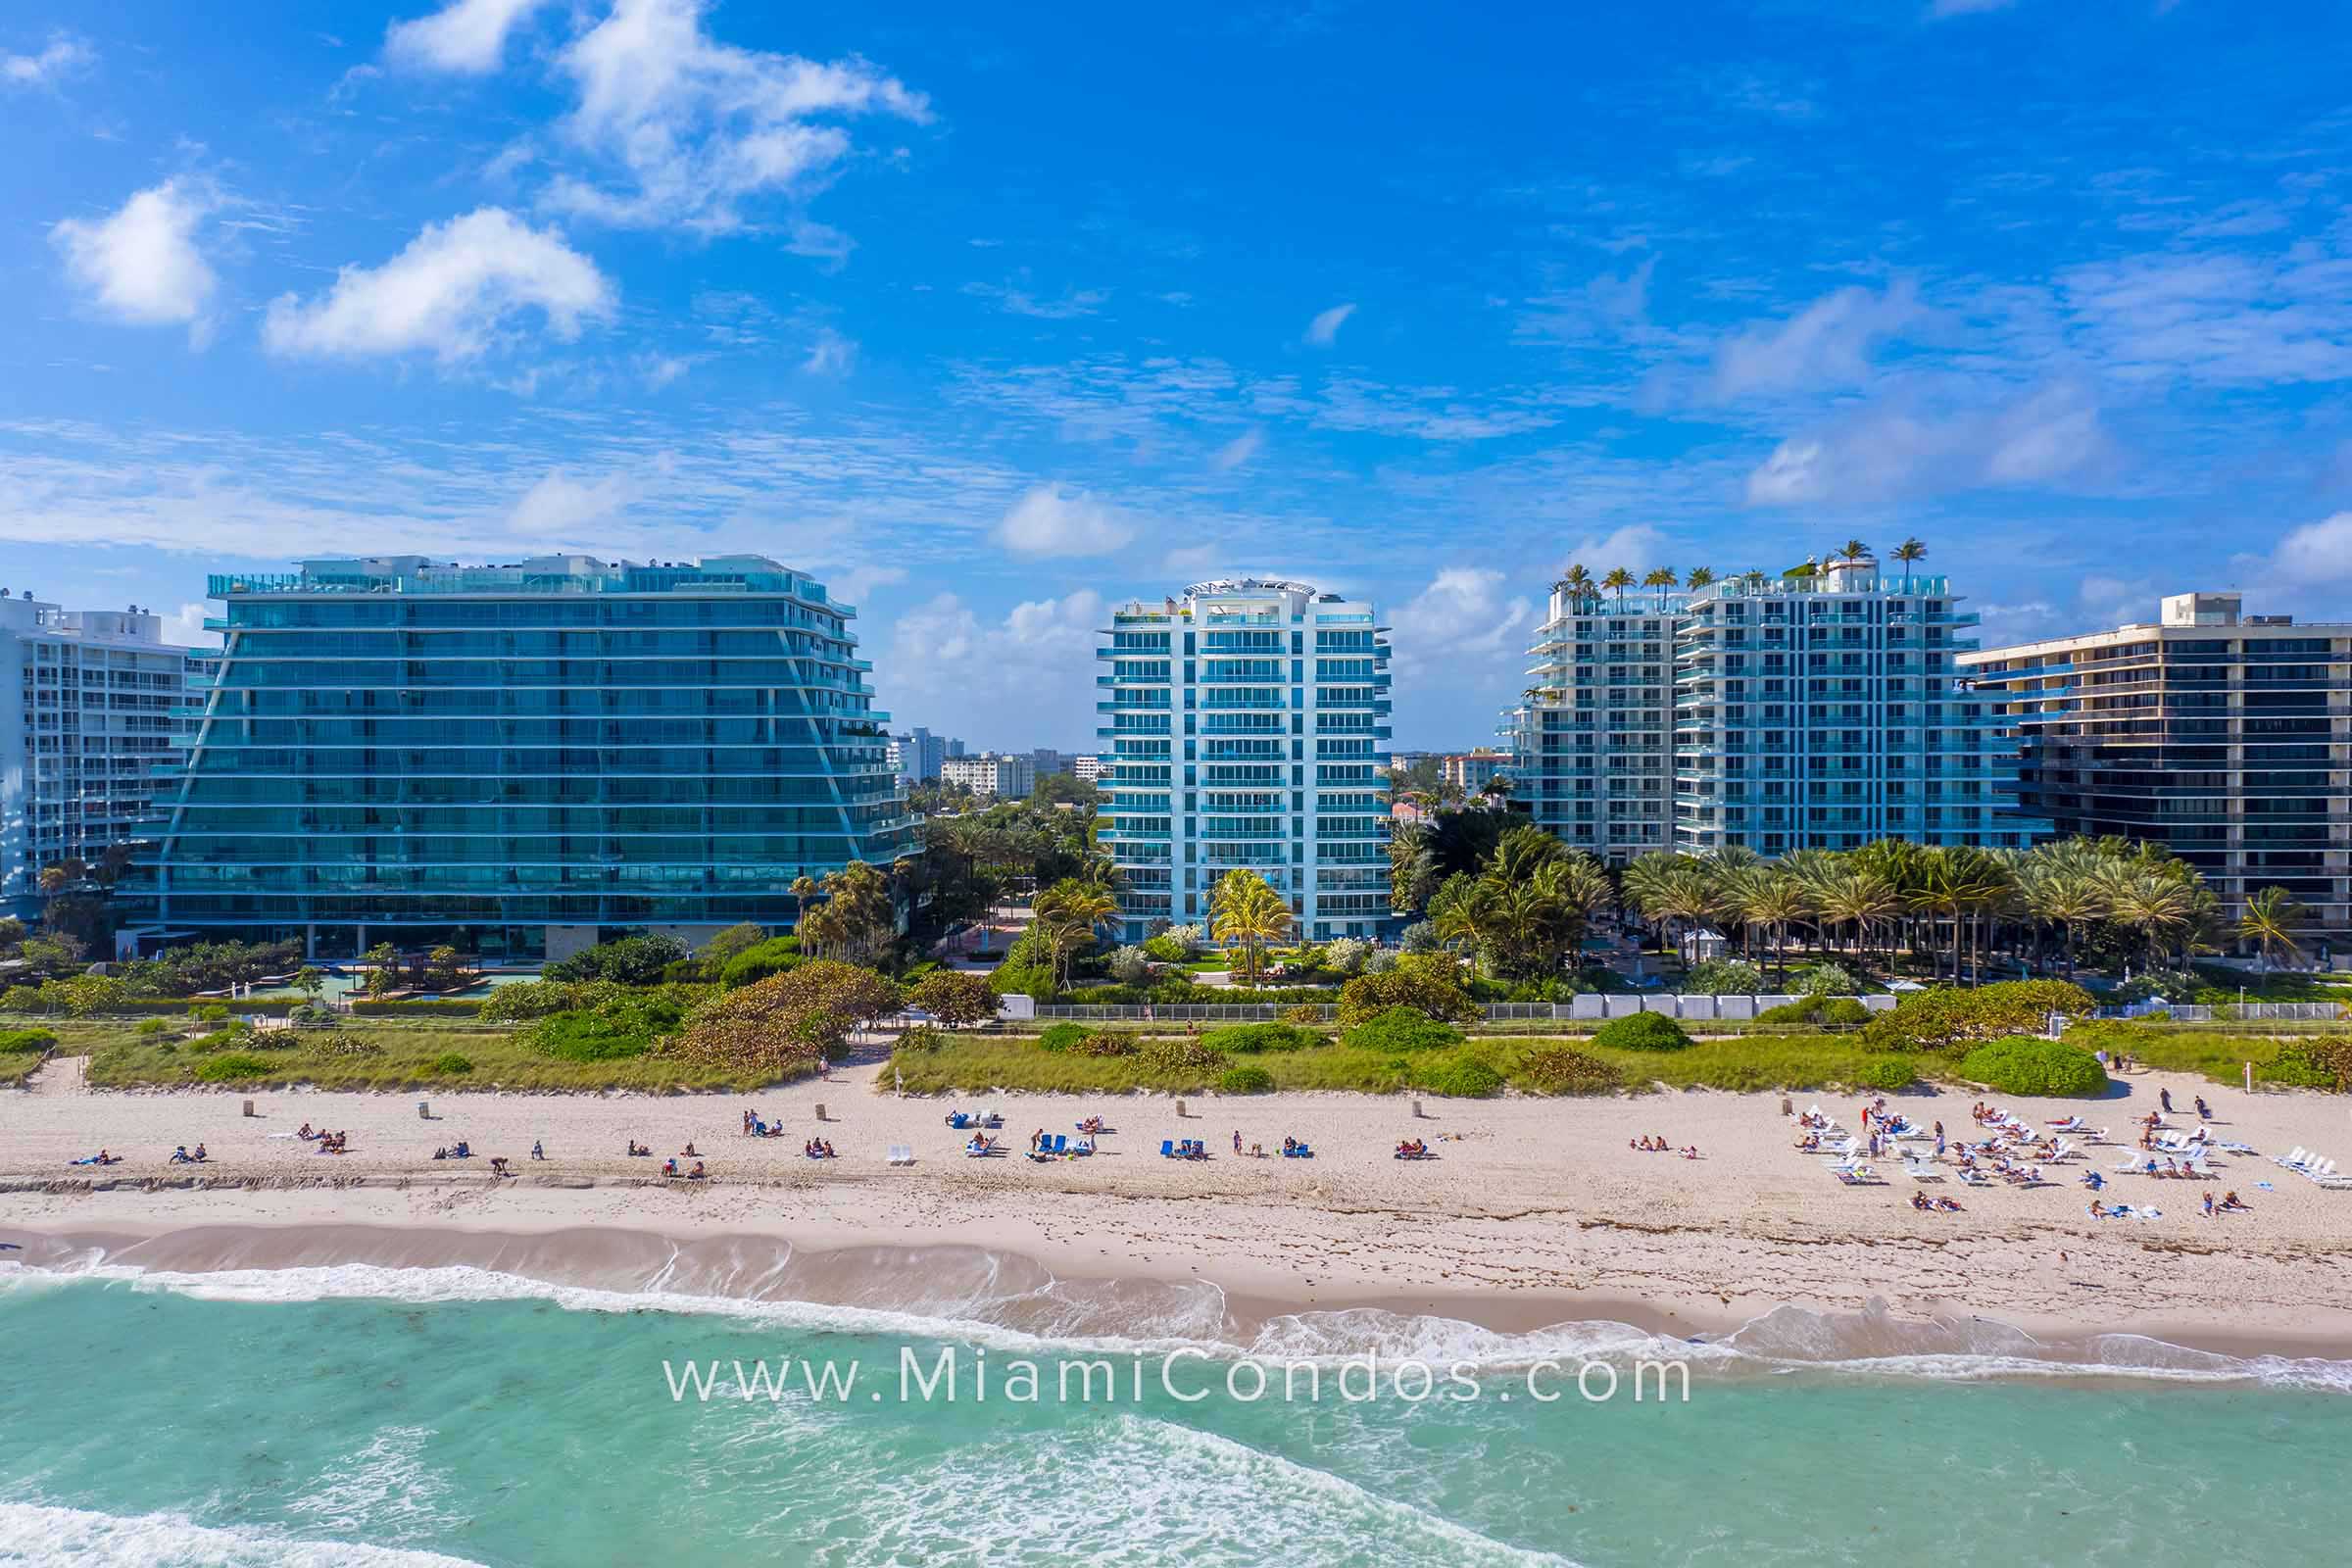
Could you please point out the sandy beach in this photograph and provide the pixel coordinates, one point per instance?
(1534, 1211)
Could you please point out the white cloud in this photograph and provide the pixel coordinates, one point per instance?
(2314, 555)
(1238, 451)
(830, 354)
(564, 512)
(466, 36)
(1826, 344)
(1069, 307)
(141, 264)
(63, 55)
(455, 287)
(1636, 547)
(1049, 520)
(1324, 330)
(1894, 451)
(663, 368)
(1022, 681)
(185, 627)
(1462, 614)
(700, 125)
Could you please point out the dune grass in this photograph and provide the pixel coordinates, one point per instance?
(402, 1056)
(974, 1064)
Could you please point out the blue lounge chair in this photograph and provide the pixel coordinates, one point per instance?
(1061, 1143)
(1167, 1149)
(1305, 1153)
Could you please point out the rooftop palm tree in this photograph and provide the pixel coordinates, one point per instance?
(1618, 580)
(2270, 922)
(1661, 577)
(1852, 550)
(1701, 577)
(1578, 582)
(1910, 552)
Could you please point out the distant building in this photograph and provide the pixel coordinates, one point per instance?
(1087, 769)
(2221, 735)
(1470, 771)
(523, 759)
(92, 703)
(1247, 723)
(922, 755)
(1002, 775)
(1051, 762)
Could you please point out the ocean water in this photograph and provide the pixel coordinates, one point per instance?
(360, 1414)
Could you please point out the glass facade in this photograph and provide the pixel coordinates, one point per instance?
(1247, 725)
(523, 760)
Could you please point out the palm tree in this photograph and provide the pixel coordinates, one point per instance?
(2065, 895)
(1244, 907)
(1909, 552)
(1852, 550)
(1699, 577)
(2269, 921)
(1661, 577)
(1861, 898)
(1618, 581)
(1068, 913)
(1578, 582)
(1770, 900)
(2160, 909)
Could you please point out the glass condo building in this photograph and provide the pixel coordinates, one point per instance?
(1246, 724)
(523, 760)
(1822, 709)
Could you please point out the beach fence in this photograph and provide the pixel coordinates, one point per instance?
(2228, 1011)
(1592, 1008)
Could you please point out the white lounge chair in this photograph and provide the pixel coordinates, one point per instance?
(899, 1154)
(2292, 1161)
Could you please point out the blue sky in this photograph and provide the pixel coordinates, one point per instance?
(993, 317)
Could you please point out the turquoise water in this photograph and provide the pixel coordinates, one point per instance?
(144, 1424)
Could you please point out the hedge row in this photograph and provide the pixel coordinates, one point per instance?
(430, 1008)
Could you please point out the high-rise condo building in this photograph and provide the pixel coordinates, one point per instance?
(920, 755)
(1592, 736)
(1247, 725)
(523, 759)
(2224, 736)
(1822, 709)
(90, 709)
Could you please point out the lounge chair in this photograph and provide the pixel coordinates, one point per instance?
(2292, 1161)
(1167, 1149)
(1060, 1143)
(899, 1154)
(1305, 1153)
(1972, 1177)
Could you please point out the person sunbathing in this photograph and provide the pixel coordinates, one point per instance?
(1691, 1153)
(690, 1151)
(200, 1157)
(180, 1156)
(698, 1173)
(2230, 1200)
(1289, 1146)
(2098, 1211)
(669, 1167)
(1810, 1142)
(306, 1131)
(637, 1148)
(1950, 1206)
(825, 1149)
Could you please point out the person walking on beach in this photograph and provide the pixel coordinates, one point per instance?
(1237, 1139)
(2163, 1097)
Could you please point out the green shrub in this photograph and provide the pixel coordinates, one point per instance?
(450, 1065)
(1305, 1012)
(1402, 1029)
(1566, 1070)
(536, 999)
(1723, 977)
(921, 1038)
(1642, 1031)
(1421, 986)
(1818, 1012)
(758, 961)
(1165, 949)
(1244, 1079)
(1179, 1055)
(1063, 1036)
(1825, 980)
(1250, 1039)
(1024, 980)
(2022, 1064)
(15, 1040)
(2320, 1063)
(2173, 985)
(1459, 1076)
(150, 1027)
(629, 961)
(1886, 1074)
(234, 1067)
(1949, 1018)
(1106, 1044)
